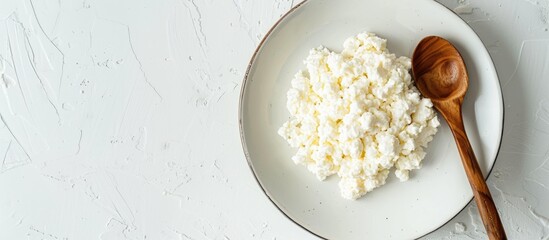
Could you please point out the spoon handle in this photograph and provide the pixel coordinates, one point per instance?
(483, 198)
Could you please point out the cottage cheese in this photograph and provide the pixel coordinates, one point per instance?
(358, 114)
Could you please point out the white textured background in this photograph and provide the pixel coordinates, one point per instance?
(119, 119)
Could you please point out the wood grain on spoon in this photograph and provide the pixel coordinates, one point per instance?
(440, 74)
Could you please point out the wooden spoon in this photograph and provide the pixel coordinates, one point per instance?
(440, 74)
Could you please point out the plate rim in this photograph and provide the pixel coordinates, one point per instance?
(243, 138)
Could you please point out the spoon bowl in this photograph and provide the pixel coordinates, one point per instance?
(439, 70)
(440, 74)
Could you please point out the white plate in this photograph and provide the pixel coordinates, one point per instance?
(435, 193)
